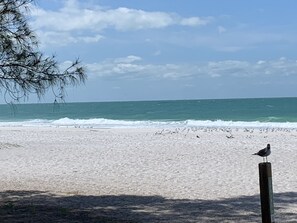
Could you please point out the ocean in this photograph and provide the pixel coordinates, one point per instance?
(262, 112)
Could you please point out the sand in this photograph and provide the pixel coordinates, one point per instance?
(147, 175)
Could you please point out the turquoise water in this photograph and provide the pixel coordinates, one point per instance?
(269, 111)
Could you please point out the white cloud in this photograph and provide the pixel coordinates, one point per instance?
(222, 29)
(75, 17)
(195, 21)
(119, 67)
(261, 62)
(133, 67)
(90, 39)
(132, 19)
(229, 67)
(130, 67)
(64, 38)
(128, 59)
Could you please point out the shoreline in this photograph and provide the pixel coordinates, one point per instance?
(99, 123)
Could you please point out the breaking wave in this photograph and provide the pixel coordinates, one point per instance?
(109, 123)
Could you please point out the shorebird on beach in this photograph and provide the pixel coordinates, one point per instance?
(264, 152)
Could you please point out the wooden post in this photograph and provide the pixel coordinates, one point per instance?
(266, 192)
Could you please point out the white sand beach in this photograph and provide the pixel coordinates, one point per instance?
(173, 175)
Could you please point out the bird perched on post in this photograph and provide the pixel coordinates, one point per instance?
(264, 152)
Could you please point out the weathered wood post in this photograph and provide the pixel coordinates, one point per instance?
(266, 192)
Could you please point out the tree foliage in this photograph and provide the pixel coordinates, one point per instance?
(24, 70)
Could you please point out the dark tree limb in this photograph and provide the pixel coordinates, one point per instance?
(24, 70)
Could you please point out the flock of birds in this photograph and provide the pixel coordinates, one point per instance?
(263, 152)
(228, 131)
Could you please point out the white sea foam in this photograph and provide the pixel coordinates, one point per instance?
(108, 123)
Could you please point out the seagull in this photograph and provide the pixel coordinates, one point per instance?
(264, 152)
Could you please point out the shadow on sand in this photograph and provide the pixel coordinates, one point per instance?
(39, 206)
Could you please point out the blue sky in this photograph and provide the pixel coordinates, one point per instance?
(164, 49)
